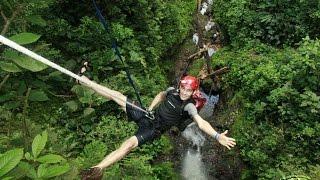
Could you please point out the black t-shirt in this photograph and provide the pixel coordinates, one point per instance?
(173, 111)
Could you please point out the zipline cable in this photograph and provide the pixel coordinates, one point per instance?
(59, 68)
(117, 52)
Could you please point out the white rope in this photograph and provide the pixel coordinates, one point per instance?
(37, 57)
(41, 59)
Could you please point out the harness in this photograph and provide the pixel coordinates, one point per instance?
(171, 111)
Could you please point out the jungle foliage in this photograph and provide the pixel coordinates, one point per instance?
(80, 125)
(275, 103)
(273, 22)
(272, 94)
(49, 125)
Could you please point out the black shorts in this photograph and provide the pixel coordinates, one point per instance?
(146, 131)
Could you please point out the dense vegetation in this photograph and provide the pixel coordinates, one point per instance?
(81, 126)
(273, 22)
(50, 126)
(274, 94)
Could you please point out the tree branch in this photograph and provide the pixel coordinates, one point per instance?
(4, 80)
(197, 54)
(3, 15)
(217, 72)
(62, 96)
(24, 113)
(8, 21)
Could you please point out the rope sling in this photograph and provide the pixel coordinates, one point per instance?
(117, 52)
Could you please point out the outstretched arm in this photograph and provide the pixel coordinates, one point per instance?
(207, 128)
(159, 98)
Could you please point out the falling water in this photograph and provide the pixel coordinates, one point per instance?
(193, 167)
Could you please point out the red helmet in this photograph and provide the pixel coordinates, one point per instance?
(189, 82)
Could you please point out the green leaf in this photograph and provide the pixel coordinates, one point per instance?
(29, 63)
(36, 20)
(50, 158)
(56, 170)
(87, 111)
(84, 93)
(27, 169)
(28, 156)
(72, 105)
(78, 89)
(24, 61)
(25, 38)
(38, 143)
(57, 76)
(9, 67)
(9, 160)
(42, 170)
(37, 95)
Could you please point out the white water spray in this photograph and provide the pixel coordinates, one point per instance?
(193, 167)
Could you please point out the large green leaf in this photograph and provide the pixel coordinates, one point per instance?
(50, 158)
(29, 63)
(24, 61)
(27, 169)
(38, 143)
(9, 67)
(25, 38)
(37, 20)
(9, 160)
(56, 170)
(37, 95)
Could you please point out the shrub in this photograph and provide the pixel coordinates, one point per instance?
(279, 104)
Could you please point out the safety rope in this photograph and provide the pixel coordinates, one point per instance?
(117, 52)
(61, 69)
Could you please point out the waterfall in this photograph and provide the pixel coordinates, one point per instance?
(193, 167)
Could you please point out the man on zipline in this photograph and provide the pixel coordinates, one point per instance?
(172, 107)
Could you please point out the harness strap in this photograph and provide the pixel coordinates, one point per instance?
(117, 52)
